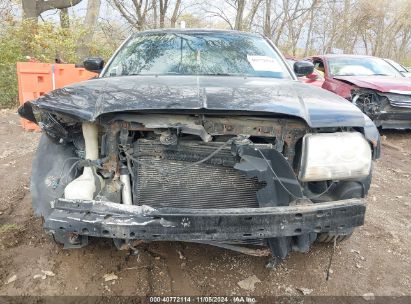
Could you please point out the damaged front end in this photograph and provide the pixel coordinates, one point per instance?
(228, 181)
(387, 110)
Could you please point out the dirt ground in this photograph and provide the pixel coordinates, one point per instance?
(376, 259)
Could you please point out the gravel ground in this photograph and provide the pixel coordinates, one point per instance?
(376, 259)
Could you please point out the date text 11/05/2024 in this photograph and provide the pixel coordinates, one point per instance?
(201, 299)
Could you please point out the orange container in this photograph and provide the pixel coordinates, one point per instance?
(66, 74)
(36, 79)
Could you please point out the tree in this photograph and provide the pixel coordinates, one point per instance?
(267, 19)
(238, 8)
(193, 21)
(298, 27)
(139, 13)
(308, 42)
(176, 12)
(252, 11)
(64, 18)
(32, 9)
(164, 5)
(90, 23)
(6, 12)
(136, 14)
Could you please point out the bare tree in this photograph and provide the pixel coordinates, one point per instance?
(239, 6)
(238, 14)
(176, 12)
(163, 10)
(312, 15)
(252, 11)
(34, 8)
(6, 11)
(176, 8)
(93, 11)
(64, 18)
(139, 13)
(298, 27)
(267, 19)
(90, 23)
(164, 6)
(136, 14)
(155, 13)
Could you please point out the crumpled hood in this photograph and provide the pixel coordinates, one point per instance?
(383, 84)
(90, 99)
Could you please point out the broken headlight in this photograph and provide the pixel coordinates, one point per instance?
(331, 156)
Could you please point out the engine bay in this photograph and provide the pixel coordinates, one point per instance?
(175, 161)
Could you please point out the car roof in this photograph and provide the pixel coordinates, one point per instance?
(194, 31)
(342, 56)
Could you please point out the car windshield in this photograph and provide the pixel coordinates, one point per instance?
(224, 54)
(396, 65)
(361, 66)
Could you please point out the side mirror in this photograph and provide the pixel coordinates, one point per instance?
(94, 64)
(303, 68)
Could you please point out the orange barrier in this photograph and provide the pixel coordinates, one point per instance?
(36, 79)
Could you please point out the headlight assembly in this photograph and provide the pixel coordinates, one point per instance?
(333, 156)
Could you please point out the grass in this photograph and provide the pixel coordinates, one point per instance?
(8, 227)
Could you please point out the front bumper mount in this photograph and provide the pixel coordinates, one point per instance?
(111, 220)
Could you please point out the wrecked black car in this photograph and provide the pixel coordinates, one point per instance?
(200, 136)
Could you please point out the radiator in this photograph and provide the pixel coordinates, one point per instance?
(214, 184)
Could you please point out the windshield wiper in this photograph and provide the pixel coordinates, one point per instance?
(223, 74)
(352, 74)
(188, 74)
(152, 74)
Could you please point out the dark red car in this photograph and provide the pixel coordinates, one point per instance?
(377, 88)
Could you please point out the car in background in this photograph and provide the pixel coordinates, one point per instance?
(399, 67)
(372, 84)
(315, 78)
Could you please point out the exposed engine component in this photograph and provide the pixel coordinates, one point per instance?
(126, 197)
(168, 138)
(213, 184)
(87, 185)
(386, 110)
(369, 103)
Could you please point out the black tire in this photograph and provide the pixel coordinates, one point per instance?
(329, 238)
(347, 190)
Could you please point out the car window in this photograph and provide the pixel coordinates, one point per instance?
(361, 66)
(396, 65)
(319, 67)
(223, 53)
(319, 73)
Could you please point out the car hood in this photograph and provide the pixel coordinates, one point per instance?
(383, 84)
(202, 94)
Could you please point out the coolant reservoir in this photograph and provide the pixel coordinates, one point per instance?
(85, 186)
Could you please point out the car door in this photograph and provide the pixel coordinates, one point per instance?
(330, 83)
